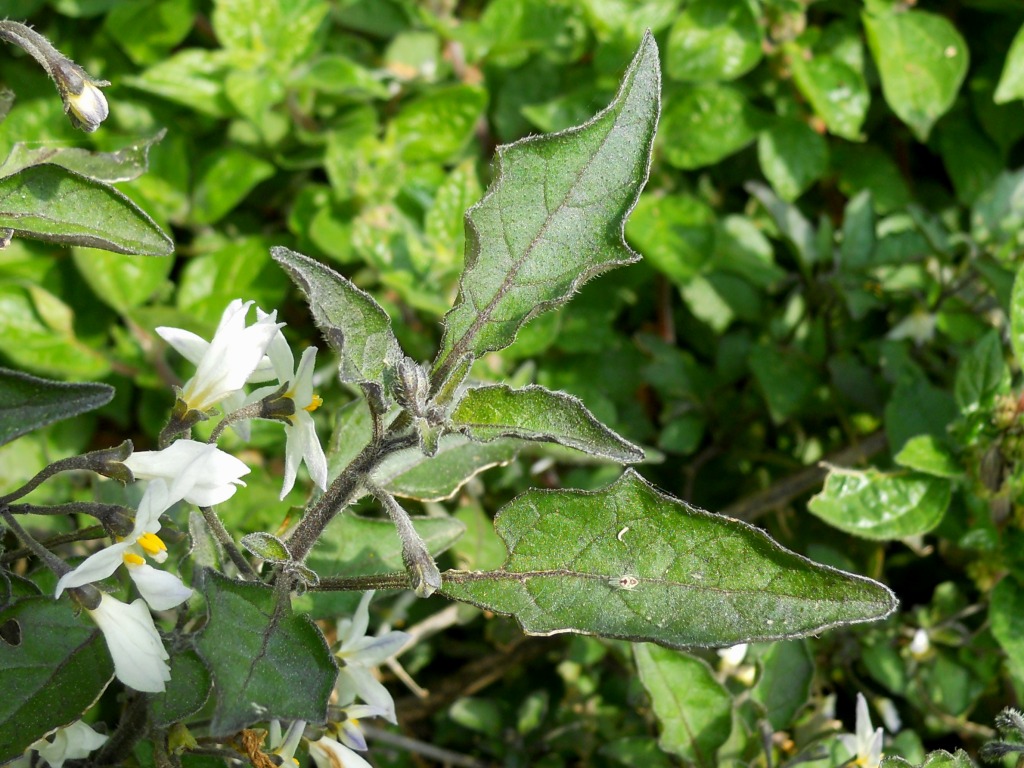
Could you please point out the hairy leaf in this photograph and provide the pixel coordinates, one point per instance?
(553, 217)
(28, 402)
(352, 322)
(109, 167)
(633, 563)
(50, 203)
(879, 505)
(265, 661)
(535, 413)
(55, 671)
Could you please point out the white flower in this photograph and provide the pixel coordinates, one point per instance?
(72, 742)
(88, 108)
(225, 364)
(358, 654)
(866, 745)
(302, 441)
(160, 589)
(920, 645)
(140, 661)
(328, 753)
(919, 327)
(200, 473)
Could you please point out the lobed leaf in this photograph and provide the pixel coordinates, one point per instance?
(553, 218)
(47, 202)
(535, 413)
(265, 662)
(55, 671)
(28, 402)
(632, 563)
(352, 322)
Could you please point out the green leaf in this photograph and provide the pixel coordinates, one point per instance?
(705, 124)
(187, 691)
(528, 252)
(148, 31)
(352, 322)
(793, 156)
(858, 232)
(193, 78)
(793, 225)
(927, 454)
(413, 475)
(535, 413)
(785, 377)
(1006, 615)
(339, 75)
(922, 60)
(267, 546)
(107, 167)
(632, 563)
(1017, 316)
(438, 125)
(56, 671)
(784, 685)
(50, 203)
(363, 546)
(982, 373)
(266, 662)
(838, 93)
(28, 402)
(714, 40)
(121, 282)
(225, 182)
(1011, 82)
(693, 708)
(675, 233)
(879, 505)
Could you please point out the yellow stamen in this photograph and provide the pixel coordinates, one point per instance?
(130, 558)
(315, 403)
(151, 543)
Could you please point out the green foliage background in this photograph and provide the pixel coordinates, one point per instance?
(831, 236)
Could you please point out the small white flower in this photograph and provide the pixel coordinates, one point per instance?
(920, 645)
(200, 473)
(88, 108)
(72, 742)
(302, 443)
(328, 753)
(140, 660)
(919, 327)
(160, 589)
(225, 364)
(866, 745)
(359, 654)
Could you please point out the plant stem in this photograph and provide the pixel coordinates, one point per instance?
(52, 562)
(423, 574)
(225, 540)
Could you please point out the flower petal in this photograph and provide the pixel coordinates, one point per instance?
(134, 644)
(161, 590)
(328, 753)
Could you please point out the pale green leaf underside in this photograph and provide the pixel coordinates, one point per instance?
(630, 562)
(109, 167)
(880, 505)
(355, 325)
(553, 217)
(49, 203)
(536, 413)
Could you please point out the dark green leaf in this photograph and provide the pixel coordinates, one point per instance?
(28, 402)
(121, 282)
(693, 708)
(714, 40)
(982, 373)
(792, 224)
(1006, 614)
(266, 662)
(922, 60)
(880, 505)
(352, 322)
(53, 675)
(630, 562)
(50, 203)
(784, 685)
(224, 182)
(528, 252)
(535, 413)
(187, 690)
(858, 232)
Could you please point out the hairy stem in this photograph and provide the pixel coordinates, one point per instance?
(228, 543)
(52, 562)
